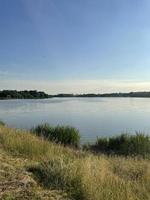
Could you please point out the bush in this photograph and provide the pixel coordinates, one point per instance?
(124, 144)
(2, 123)
(65, 135)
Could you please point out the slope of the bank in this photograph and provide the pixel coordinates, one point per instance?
(16, 182)
(32, 168)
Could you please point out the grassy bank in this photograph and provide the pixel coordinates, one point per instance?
(44, 170)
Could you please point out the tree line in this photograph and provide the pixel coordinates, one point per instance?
(120, 94)
(34, 94)
(14, 94)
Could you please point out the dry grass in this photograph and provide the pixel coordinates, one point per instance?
(21, 142)
(16, 183)
(97, 177)
(82, 175)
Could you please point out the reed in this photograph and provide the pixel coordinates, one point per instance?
(66, 135)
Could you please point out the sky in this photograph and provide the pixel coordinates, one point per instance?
(75, 46)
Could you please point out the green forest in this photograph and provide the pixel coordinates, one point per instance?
(13, 94)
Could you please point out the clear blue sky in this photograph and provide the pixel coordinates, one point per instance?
(75, 45)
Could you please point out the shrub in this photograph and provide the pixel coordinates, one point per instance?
(65, 135)
(103, 143)
(2, 123)
(138, 144)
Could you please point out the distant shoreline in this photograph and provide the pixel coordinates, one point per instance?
(70, 97)
(33, 94)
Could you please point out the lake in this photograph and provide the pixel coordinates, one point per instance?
(92, 116)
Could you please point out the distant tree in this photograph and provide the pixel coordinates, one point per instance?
(13, 94)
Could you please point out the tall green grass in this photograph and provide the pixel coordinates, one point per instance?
(124, 144)
(2, 123)
(65, 135)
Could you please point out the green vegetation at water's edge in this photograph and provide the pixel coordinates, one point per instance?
(36, 169)
(124, 144)
(65, 135)
(2, 123)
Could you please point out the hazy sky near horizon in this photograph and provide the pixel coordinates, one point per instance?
(75, 45)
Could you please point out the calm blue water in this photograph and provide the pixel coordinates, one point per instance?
(92, 116)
